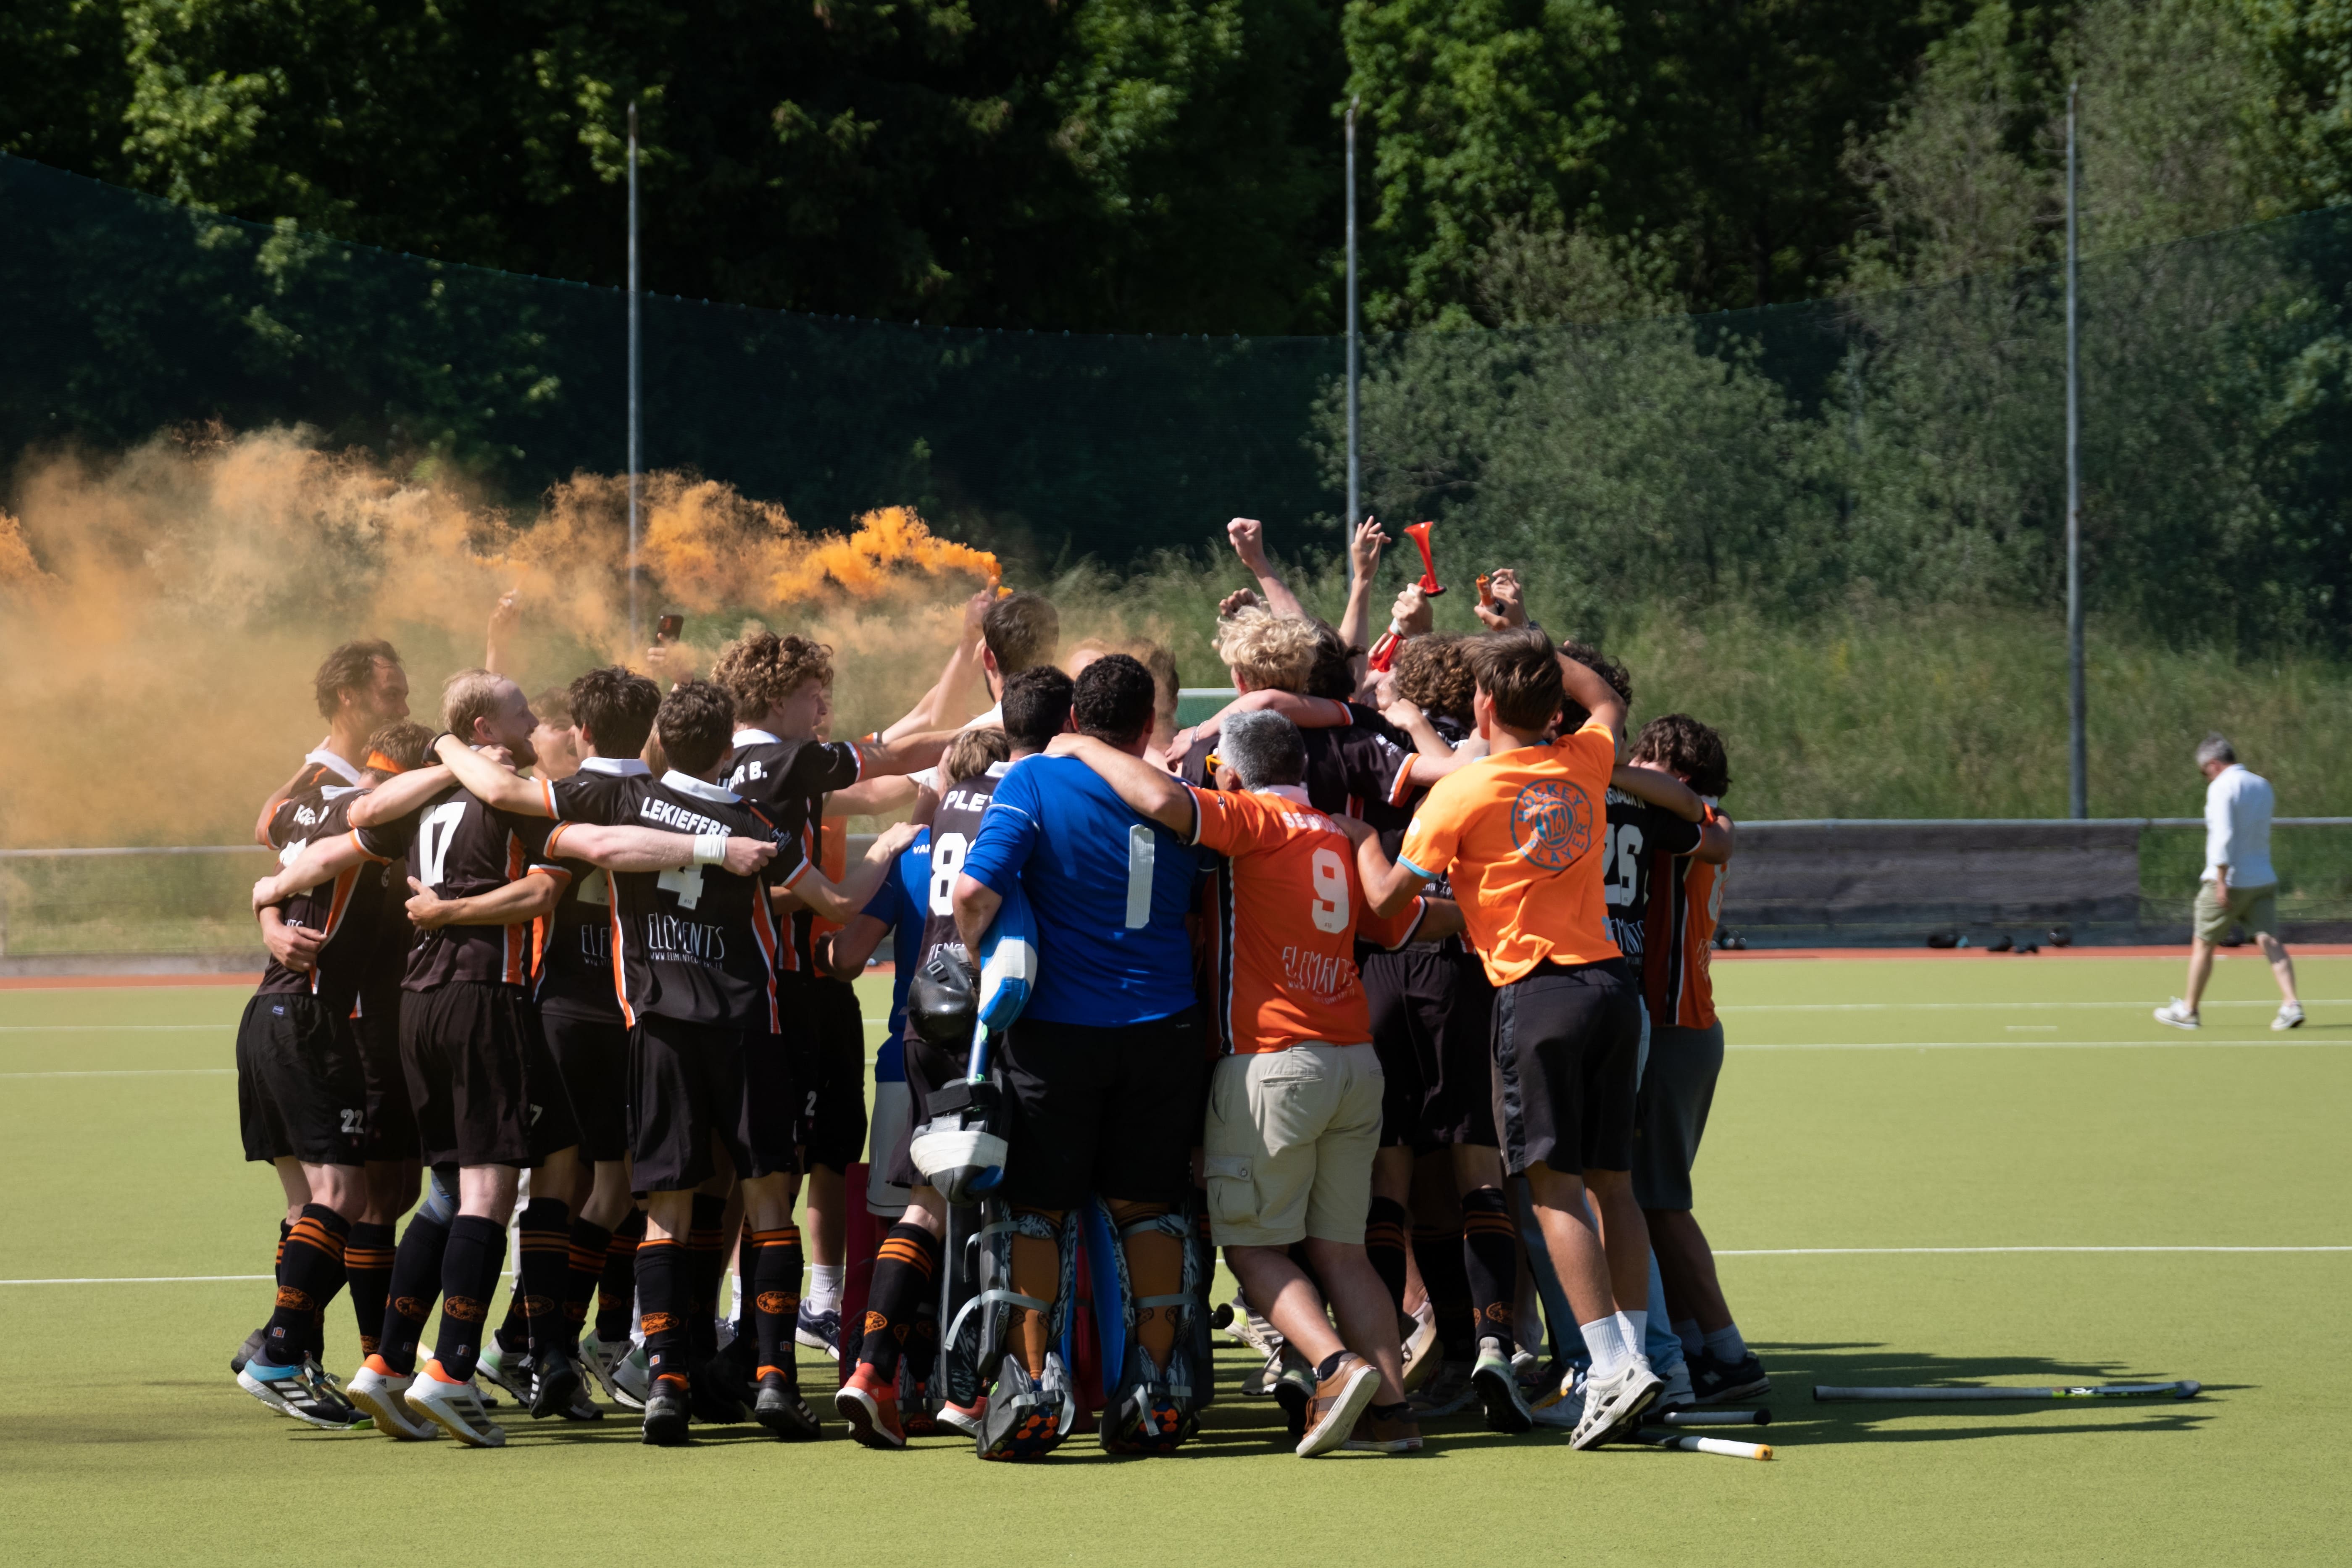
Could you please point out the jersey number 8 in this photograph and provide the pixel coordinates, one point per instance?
(946, 859)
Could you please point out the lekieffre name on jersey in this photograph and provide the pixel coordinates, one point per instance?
(678, 819)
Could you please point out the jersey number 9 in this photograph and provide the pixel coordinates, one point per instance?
(1330, 908)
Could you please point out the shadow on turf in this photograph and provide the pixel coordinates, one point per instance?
(1797, 1367)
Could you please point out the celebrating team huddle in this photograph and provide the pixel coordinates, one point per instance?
(1388, 979)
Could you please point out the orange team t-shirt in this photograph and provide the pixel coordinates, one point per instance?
(1289, 916)
(1523, 834)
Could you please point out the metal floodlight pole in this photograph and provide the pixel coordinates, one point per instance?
(2078, 793)
(1355, 351)
(636, 401)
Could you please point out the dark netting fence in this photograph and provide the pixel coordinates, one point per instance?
(1906, 444)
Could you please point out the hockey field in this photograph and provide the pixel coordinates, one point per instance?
(1964, 1169)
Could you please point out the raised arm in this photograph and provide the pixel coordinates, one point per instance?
(909, 753)
(1247, 536)
(269, 807)
(1145, 789)
(493, 784)
(1594, 695)
(397, 797)
(1660, 789)
(951, 695)
(503, 616)
(1364, 559)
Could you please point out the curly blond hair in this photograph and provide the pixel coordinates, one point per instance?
(1432, 673)
(1269, 651)
(759, 670)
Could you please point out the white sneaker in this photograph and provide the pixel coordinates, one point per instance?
(2289, 1017)
(2179, 1015)
(1564, 1407)
(1678, 1390)
(1420, 1347)
(454, 1407)
(1613, 1404)
(383, 1396)
(633, 1379)
(509, 1370)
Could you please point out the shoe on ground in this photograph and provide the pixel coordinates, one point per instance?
(1263, 1380)
(381, 1394)
(914, 1409)
(668, 1408)
(1027, 1418)
(1252, 1330)
(2289, 1017)
(555, 1386)
(1339, 1401)
(326, 1382)
(781, 1409)
(1679, 1392)
(1293, 1390)
(1142, 1416)
(455, 1407)
(2179, 1015)
(1447, 1393)
(507, 1370)
(633, 1378)
(1391, 1435)
(870, 1405)
(1613, 1406)
(1563, 1406)
(1716, 1382)
(1420, 1346)
(247, 1350)
(1497, 1381)
(818, 1331)
(600, 1361)
(967, 1419)
(294, 1391)
(712, 1393)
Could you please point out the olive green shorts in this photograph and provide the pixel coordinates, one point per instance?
(2256, 908)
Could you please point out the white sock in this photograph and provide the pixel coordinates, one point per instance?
(1725, 1345)
(1601, 1342)
(1693, 1341)
(1635, 1327)
(824, 1287)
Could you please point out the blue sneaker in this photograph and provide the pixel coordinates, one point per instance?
(819, 1331)
(1715, 1382)
(294, 1391)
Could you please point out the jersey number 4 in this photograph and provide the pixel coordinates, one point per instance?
(686, 881)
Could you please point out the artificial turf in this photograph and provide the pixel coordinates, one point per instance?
(1957, 1103)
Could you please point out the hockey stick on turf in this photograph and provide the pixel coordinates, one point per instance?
(2185, 1389)
(1684, 1416)
(1689, 1445)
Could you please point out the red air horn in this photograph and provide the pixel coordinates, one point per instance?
(1384, 653)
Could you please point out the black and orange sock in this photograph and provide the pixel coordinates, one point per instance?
(546, 1240)
(706, 1266)
(309, 1272)
(584, 1267)
(409, 1297)
(1438, 1251)
(616, 1292)
(775, 1287)
(1490, 1254)
(469, 1278)
(367, 1267)
(1384, 1243)
(903, 1271)
(662, 1303)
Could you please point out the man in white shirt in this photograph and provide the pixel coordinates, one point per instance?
(2240, 888)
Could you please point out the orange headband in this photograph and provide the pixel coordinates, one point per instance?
(378, 762)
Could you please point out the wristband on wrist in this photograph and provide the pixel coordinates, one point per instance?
(710, 848)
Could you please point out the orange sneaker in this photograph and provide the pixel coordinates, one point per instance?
(869, 1403)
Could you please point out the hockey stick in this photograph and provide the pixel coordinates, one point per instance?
(2185, 1389)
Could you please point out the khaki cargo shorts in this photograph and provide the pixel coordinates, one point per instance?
(1287, 1151)
(2256, 908)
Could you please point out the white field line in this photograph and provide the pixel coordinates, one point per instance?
(1725, 1252)
(1998, 1007)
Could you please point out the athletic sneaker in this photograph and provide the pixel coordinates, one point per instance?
(665, 1413)
(555, 1386)
(633, 1378)
(247, 1350)
(600, 1361)
(1254, 1331)
(294, 1391)
(2290, 1016)
(1293, 1390)
(819, 1331)
(967, 1419)
(1562, 1407)
(1027, 1418)
(1447, 1393)
(1140, 1414)
(1338, 1402)
(381, 1394)
(781, 1410)
(1716, 1382)
(1497, 1385)
(1679, 1391)
(1420, 1346)
(1266, 1379)
(712, 1394)
(915, 1412)
(870, 1405)
(455, 1407)
(1613, 1406)
(2179, 1014)
(506, 1369)
(1390, 1435)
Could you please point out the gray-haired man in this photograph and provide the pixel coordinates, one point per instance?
(2240, 888)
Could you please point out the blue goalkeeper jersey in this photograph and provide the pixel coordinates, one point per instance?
(899, 903)
(1109, 889)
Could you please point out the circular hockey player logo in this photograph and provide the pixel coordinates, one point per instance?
(1551, 823)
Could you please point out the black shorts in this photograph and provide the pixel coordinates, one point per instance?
(1564, 1043)
(301, 1091)
(391, 1124)
(692, 1083)
(1433, 1026)
(1115, 1113)
(830, 1076)
(1677, 1091)
(928, 1068)
(593, 1053)
(486, 1088)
